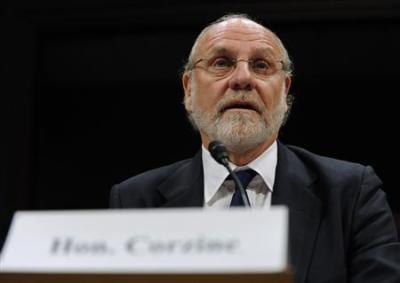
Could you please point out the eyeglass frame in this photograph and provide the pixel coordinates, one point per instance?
(234, 62)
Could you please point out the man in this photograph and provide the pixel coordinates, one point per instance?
(236, 85)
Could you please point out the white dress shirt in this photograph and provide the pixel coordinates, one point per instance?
(218, 192)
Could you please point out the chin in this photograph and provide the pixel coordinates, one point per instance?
(239, 132)
(242, 138)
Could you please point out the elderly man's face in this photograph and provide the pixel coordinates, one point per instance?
(242, 109)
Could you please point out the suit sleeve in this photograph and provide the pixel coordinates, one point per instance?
(375, 249)
(115, 199)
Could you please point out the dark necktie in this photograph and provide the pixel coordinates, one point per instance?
(245, 176)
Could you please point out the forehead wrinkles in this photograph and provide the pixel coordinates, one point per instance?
(218, 37)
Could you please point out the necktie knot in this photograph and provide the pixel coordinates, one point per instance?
(245, 176)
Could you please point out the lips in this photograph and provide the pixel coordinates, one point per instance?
(245, 105)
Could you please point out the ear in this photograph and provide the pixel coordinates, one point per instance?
(187, 88)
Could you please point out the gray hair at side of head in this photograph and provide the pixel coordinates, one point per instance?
(287, 63)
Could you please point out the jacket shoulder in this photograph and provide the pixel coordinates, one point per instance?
(155, 175)
(328, 166)
(338, 176)
(141, 189)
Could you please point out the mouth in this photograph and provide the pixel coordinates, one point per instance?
(239, 106)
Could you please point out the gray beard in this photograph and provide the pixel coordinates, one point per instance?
(240, 132)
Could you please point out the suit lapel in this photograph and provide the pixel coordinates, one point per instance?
(184, 187)
(293, 187)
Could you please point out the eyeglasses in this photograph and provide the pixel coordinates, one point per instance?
(223, 66)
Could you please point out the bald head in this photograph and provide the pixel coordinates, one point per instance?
(234, 22)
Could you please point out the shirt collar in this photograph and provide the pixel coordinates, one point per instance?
(215, 174)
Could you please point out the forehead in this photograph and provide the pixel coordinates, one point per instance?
(238, 35)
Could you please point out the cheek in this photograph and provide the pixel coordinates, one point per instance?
(268, 98)
(271, 94)
(207, 95)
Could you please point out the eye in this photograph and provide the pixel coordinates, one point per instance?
(221, 63)
(261, 65)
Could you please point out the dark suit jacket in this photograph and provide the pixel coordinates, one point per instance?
(341, 227)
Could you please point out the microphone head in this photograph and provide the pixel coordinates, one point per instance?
(218, 152)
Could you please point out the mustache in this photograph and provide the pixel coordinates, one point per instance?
(245, 100)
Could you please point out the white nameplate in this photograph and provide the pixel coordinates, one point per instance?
(147, 241)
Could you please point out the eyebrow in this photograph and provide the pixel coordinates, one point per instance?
(215, 50)
(218, 50)
(266, 50)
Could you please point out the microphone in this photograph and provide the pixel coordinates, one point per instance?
(220, 154)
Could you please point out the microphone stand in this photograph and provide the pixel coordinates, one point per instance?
(220, 154)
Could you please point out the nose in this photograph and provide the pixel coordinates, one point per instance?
(241, 78)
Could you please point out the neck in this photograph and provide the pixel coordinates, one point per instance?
(240, 158)
(244, 158)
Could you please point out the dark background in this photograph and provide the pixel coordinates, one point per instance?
(90, 91)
